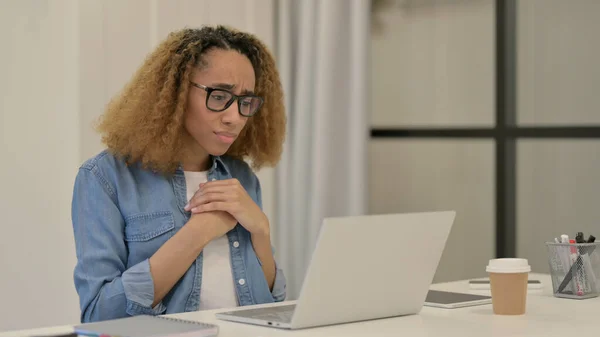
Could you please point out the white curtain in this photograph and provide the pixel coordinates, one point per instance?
(322, 52)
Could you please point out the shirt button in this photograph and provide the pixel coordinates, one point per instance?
(236, 244)
(242, 281)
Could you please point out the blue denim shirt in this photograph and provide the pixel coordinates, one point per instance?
(123, 213)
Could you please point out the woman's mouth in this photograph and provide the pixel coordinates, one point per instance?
(226, 137)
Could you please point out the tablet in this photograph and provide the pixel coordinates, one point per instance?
(451, 300)
(485, 284)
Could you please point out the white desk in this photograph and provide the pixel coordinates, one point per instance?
(546, 316)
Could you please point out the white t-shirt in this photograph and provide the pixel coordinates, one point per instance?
(217, 290)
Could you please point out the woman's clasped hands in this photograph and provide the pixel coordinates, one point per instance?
(229, 196)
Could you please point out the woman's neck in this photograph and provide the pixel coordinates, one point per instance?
(196, 164)
(195, 158)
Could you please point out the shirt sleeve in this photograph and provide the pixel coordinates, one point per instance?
(106, 289)
(279, 285)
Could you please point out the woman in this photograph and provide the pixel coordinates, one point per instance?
(168, 218)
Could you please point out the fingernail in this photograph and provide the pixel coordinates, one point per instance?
(187, 206)
(194, 209)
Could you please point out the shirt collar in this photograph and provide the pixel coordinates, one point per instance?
(217, 163)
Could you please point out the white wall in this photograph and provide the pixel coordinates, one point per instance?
(558, 49)
(61, 63)
(558, 181)
(40, 155)
(433, 66)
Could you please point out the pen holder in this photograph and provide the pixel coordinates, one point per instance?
(574, 269)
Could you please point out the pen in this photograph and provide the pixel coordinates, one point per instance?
(565, 261)
(575, 258)
(565, 256)
(588, 265)
(581, 257)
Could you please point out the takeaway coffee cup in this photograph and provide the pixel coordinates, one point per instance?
(508, 282)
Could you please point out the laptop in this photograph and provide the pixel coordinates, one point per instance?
(362, 268)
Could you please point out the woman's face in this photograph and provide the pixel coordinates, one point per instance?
(214, 132)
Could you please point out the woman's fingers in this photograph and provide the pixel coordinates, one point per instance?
(203, 198)
(222, 183)
(215, 189)
(230, 207)
(211, 206)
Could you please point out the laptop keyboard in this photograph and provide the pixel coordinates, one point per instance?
(281, 314)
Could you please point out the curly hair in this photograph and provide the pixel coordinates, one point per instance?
(144, 122)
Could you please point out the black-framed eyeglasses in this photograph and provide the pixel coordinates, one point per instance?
(218, 100)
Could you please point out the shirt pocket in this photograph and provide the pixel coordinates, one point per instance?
(145, 233)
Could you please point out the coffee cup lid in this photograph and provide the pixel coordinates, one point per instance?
(508, 265)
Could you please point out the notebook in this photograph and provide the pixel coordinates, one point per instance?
(148, 326)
